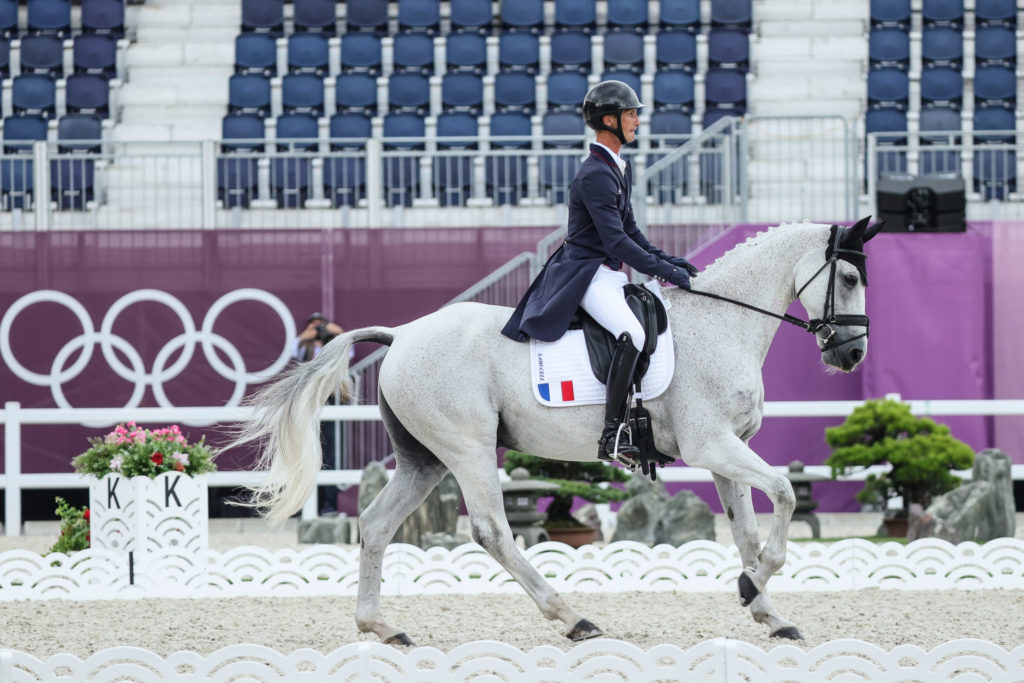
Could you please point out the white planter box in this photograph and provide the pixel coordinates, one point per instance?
(149, 516)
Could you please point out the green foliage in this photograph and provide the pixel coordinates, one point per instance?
(74, 528)
(920, 451)
(574, 479)
(132, 451)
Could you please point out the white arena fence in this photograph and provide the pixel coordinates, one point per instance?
(14, 480)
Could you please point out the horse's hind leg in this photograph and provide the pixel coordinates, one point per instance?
(739, 508)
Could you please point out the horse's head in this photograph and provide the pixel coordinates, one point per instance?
(832, 292)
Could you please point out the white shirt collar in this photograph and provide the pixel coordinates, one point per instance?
(619, 161)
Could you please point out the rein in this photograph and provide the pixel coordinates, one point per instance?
(829, 319)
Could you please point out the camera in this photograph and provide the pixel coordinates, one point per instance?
(322, 335)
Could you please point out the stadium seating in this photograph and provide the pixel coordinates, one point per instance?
(255, 53)
(5, 58)
(462, 92)
(995, 13)
(515, 91)
(995, 173)
(466, 52)
(629, 77)
(361, 52)
(570, 51)
(419, 15)
(453, 175)
(263, 16)
(35, 95)
(414, 52)
(890, 13)
(356, 94)
(995, 46)
(566, 91)
(673, 90)
(994, 119)
(942, 47)
(519, 51)
(345, 175)
(888, 88)
(401, 171)
(726, 89)
(471, 15)
(42, 53)
(558, 170)
(290, 175)
(942, 13)
(87, 94)
(249, 94)
(575, 15)
(522, 15)
(629, 15)
(302, 94)
(937, 125)
(72, 180)
(367, 16)
(728, 49)
(97, 54)
(9, 19)
(237, 175)
(735, 14)
(307, 53)
(676, 50)
(506, 174)
(680, 14)
(941, 87)
(315, 16)
(995, 86)
(890, 47)
(409, 92)
(16, 174)
(624, 50)
(50, 16)
(105, 17)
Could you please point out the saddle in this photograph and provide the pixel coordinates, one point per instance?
(650, 311)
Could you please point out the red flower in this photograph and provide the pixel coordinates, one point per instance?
(85, 514)
(158, 458)
(178, 465)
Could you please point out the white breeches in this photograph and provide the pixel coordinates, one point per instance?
(605, 303)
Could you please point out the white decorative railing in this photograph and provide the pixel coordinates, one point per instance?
(719, 660)
(321, 570)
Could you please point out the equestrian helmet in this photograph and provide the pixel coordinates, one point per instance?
(608, 97)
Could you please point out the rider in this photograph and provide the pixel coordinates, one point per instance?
(586, 270)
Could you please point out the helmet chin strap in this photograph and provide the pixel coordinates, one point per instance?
(618, 129)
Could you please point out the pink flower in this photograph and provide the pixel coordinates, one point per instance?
(116, 462)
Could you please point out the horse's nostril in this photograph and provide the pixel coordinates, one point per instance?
(856, 355)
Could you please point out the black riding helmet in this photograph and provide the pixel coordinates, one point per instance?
(609, 97)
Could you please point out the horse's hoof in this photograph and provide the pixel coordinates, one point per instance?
(748, 591)
(788, 632)
(399, 639)
(584, 630)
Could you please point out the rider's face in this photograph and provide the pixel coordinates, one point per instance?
(630, 122)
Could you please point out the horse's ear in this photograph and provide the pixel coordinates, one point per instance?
(857, 231)
(873, 230)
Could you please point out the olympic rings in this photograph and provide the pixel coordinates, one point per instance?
(236, 371)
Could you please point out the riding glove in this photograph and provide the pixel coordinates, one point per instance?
(680, 277)
(680, 262)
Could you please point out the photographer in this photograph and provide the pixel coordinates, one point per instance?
(305, 347)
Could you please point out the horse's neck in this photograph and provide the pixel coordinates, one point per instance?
(759, 272)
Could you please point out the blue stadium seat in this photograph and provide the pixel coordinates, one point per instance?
(575, 15)
(995, 46)
(566, 90)
(16, 175)
(628, 77)
(724, 89)
(890, 13)
(949, 13)
(889, 47)
(888, 88)
(673, 90)
(671, 122)
(345, 176)
(254, 53)
(414, 52)
(419, 15)
(735, 14)
(728, 49)
(42, 53)
(942, 87)
(676, 50)
(995, 86)
(289, 176)
(570, 51)
(471, 15)
(680, 15)
(72, 181)
(315, 16)
(466, 52)
(937, 125)
(242, 132)
(522, 15)
(462, 92)
(892, 121)
(995, 13)
(515, 91)
(105, 17)
(519, 51)
(995, 173)
(249, 94)
(994, 119)
(361, 52)
(8, 18)
(624, 50)
(453, 175)
(95, 54)
(79, 133)
(558, 170)
(297, 132)
(263, 16)
(302, 94)
(5, 58)
(34, 95)
(409, 92)
(367, 16)
(87, 94)
(938, 120)
(941, 47)
(356, 94)
(506, 173)
(50, 16)
(307, 53)
(401, 173)
(627, 15)
(669, 129)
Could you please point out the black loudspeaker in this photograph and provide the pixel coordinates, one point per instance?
(922, 204)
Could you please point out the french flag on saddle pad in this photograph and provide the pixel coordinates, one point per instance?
(557, 392)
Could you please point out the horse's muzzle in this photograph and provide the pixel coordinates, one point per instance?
(846, 357)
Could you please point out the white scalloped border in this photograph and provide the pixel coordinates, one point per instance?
(851, 564)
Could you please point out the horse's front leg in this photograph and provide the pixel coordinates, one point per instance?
(739, 508)
(731, 459)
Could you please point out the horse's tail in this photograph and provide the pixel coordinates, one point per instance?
(286, 426)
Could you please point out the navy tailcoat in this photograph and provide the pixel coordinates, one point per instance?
(602, 230)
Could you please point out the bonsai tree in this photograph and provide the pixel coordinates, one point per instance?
(574, 479)
(920, 451)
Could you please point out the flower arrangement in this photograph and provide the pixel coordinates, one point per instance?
(74, 528)
(132, 451)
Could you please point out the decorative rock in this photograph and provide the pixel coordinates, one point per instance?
(587, 515)
(640, 514)
(375, 476)
(980, 510)
(324, 530)
(685, 518)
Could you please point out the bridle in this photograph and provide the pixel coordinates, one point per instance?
(830, 319)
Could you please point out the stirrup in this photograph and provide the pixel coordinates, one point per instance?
(617, 456)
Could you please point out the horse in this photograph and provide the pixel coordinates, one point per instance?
(452, 390)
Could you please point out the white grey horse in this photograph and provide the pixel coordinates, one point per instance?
(452, 390)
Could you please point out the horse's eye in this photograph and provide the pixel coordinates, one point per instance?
(851, 280)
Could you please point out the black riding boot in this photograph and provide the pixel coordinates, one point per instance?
(620, 380)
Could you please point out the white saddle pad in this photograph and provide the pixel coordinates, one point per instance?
(561, 369)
